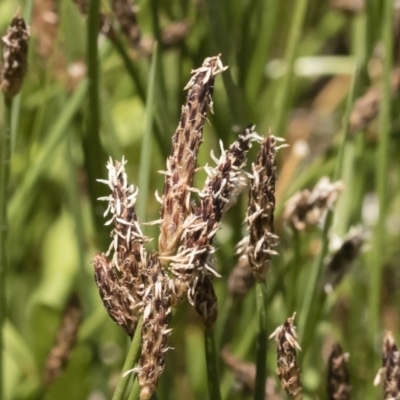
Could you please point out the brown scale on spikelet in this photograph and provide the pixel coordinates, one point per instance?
(241, 279)
(366, 108)
(182, 162)
(258, 246)
(306, 208)
(389, 374)
(126, 13)
(192, 266)
(338, 385)
(15, 57)
(155, 329)
(119, 280)
(342, 260)
(288, 371)
(64, 343)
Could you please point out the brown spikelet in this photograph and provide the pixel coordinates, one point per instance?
(119, 280)
(306, 208)
(338, 385)
(389, 374)
(64, 343)
(155, 329)
(366, 108)
(193, 264)
(125, 11)
(342, 260)
(288, 371)
(15, 57)
(260, 212)
(241, 279)
(182, 162)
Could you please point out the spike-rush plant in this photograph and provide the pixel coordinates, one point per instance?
(134, 284)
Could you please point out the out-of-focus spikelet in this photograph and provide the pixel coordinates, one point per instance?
(245, 376)
(338, 383)
(306, 208)
(64, 343)
(15, 57)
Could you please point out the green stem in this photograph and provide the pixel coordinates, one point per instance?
(130, 361)
(5, 158)
(45, 157)
(261, 357)
(382, 174)
(310, 306)
(145, 154)
(95, 156)
(283, 95)
(212, 364)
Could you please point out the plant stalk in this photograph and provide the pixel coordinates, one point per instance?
(212, 364)
(5, 158)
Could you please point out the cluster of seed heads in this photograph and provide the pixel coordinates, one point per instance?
(133, 284)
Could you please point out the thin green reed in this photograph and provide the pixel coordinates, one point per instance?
(382, 173)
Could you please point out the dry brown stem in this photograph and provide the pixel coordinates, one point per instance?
(338, 385)
(288, 371)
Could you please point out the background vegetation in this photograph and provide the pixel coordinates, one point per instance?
(291, 68)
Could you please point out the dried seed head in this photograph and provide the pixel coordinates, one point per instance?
(126, 13)
(288, 371)
(389, 374)
(260, 212)
(241, 279)
(15, 57)
(343, 258)
(306, 208)
(155, 329)
(193, 261)
(366, 108)
(182, 162)
(338, 385)
(64, 343)
(120, 303)
(119, 280)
